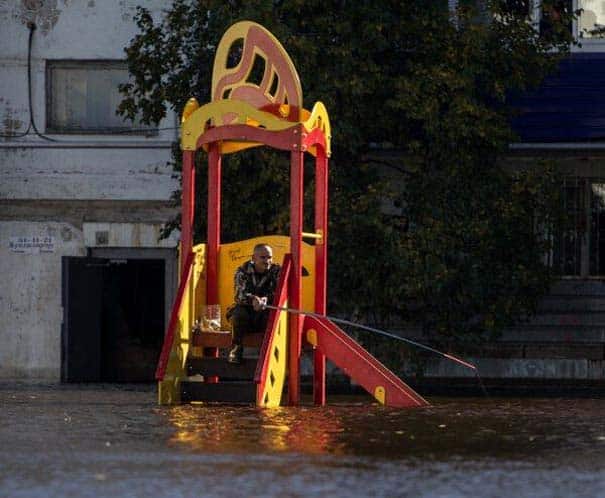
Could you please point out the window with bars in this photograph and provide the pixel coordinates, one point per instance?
(579, 249)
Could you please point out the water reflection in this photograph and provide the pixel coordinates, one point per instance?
(219, 428)
(469, 428)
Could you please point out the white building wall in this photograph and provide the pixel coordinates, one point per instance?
(30, 300)
(46, 186)
(105, 171)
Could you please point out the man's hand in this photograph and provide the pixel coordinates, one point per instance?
(259, 303)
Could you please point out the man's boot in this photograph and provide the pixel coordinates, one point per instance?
(236, 354)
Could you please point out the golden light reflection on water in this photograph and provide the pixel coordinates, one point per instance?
(231, 428)
(467, 428)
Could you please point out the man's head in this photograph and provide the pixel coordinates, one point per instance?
(262, 258)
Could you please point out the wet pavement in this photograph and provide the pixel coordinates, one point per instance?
(115, 441)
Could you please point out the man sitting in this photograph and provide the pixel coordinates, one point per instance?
(255, 283)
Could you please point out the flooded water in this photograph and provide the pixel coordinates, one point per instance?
(114, 441)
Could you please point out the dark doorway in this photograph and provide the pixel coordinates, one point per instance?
(114, 319)
(132, 323)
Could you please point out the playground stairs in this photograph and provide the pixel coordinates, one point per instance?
(213, 379)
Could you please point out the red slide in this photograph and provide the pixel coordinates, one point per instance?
(360, 365)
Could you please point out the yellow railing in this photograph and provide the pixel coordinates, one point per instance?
(190, 296)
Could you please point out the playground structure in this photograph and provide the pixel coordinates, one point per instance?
(245, 113)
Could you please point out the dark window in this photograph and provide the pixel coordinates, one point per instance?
(597, 228)
(555, 13)
(567, 256)
(579, 249)
(516, 7)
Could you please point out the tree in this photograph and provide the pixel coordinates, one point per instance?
(465, 257)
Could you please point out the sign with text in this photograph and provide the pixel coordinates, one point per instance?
(32, 245)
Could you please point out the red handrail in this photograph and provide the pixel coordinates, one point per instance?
(279, 300)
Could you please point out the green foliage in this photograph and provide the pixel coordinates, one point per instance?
(465, 258)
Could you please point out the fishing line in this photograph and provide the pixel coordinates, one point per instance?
(384, 333)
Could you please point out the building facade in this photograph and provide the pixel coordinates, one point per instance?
(88, 281)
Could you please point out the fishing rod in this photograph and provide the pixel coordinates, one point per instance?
(466, 364)
(264, 305)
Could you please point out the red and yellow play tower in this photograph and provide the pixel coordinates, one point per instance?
(251, 110)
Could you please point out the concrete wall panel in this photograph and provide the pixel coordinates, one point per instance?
(102, 173)
(14, 107)
(514, 368)
(84, 28)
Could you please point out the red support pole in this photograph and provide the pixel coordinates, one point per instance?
(187, 205)
(295, 284)
(321, 268)
(214, 236)
(214, 223)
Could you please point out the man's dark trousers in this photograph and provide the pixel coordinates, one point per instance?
(247, 321)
